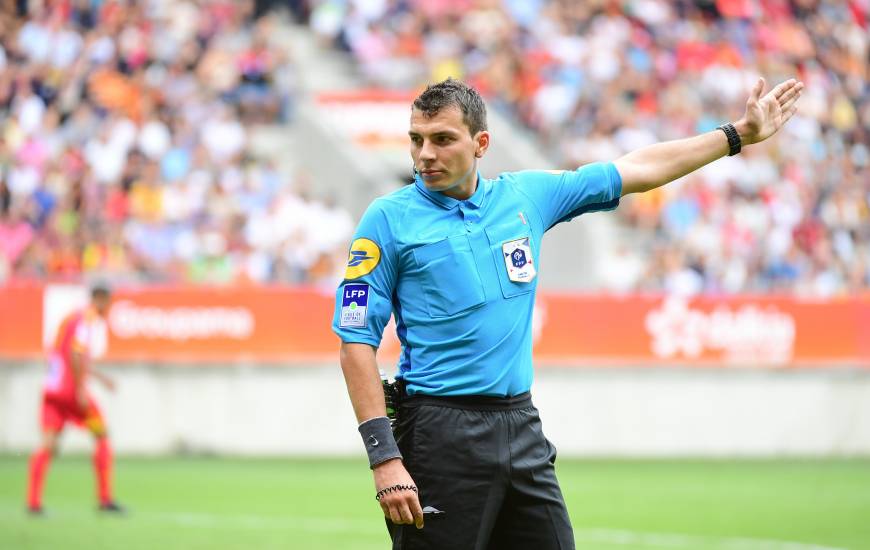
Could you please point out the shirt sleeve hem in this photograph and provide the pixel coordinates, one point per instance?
(360, 340)
(615, 180)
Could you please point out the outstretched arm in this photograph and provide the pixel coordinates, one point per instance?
(656, 165)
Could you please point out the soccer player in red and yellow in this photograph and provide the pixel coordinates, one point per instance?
(65, 398)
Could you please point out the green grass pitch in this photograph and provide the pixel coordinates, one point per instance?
(217, 504)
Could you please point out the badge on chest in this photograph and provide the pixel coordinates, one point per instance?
(518, 260)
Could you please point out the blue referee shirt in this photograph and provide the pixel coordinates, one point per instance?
(460, 276)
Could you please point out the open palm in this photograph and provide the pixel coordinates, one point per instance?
(765, 115)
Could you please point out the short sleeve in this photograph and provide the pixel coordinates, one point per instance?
(563, 195)
(363, 301)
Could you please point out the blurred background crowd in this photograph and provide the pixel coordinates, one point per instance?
(125, 131)
(125, 147)
(598, 78)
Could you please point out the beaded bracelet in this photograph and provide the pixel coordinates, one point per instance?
(397, 487)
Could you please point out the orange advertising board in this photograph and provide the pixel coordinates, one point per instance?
(285, 325)
(205, 324)
(20, 320)
(658, 330)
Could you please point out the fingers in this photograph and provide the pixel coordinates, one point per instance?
(403, 509)
(391, 511)
(405, 513)
(397, 494)
(417, 511)
(791, 93)
(756, 90)
(788, 86)
(782, 88)
(789, 103)
(395, 515)
(788, 113)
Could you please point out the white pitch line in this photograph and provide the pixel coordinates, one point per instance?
(611, 537)
(635, 539)
(311, 524)
(614, 537)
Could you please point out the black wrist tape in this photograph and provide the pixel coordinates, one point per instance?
(379, 441)
(733, 138)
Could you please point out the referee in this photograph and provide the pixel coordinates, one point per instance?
(454, 258)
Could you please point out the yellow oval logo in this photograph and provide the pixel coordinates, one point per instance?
(364, 257)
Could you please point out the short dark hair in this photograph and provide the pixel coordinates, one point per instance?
(454, 92)
(101, 290)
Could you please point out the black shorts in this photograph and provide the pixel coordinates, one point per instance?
(485, 474)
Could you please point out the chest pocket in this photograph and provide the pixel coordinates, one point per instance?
(451, 281)
(498, 236)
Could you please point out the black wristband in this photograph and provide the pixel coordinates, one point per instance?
(733, 138)
(379, 441)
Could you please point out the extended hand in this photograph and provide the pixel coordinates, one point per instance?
(403, 506)
(765, 115)
(108, 383)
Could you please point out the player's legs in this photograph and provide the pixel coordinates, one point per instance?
(52, 419)
(534, 514)
(457, 459)
(93, 421)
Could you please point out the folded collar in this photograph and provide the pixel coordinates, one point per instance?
(449, 202)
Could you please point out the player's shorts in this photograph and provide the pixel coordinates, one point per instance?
(56, 412)
(485, 475)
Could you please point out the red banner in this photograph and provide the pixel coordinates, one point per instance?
(291, 325)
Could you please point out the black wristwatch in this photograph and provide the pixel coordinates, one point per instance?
(733, 138)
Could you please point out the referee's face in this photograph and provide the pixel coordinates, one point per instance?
(445, 153)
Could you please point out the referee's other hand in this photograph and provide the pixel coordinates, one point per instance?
(401, 507)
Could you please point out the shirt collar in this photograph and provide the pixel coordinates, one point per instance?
(449, 202)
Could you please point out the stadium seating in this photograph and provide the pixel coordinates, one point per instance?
(597, 79)
(125, 149)
(125, 133)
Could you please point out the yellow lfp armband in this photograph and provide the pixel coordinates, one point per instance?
(364, 257)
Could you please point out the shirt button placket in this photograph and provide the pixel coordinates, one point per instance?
(470, 217)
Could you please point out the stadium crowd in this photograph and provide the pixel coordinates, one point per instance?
(598, 78)
(125, 147)
(125, 131)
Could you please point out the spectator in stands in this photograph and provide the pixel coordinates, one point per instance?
(668, 69)
(125, 146)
